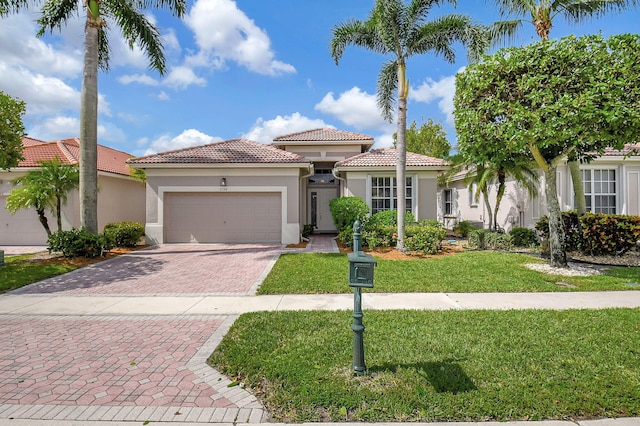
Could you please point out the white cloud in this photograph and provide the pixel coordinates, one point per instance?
(224, 33)
(19, 47)
(264, 131)
(190, 137)
(443, 89)
(58, 127)
(183, 77)
(163, 96)
(384, 140)
(138, 78)
(354, 108)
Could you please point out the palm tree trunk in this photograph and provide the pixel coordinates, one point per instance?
(578, 187)
(59, 213)
(556, 225)
(401, 150)
(89, 129)
(487, 202)
(499, 195)
(43, 220)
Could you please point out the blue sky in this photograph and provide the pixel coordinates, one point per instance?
(246, 68)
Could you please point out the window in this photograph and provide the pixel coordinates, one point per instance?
(384, 194)
(447, 202)
(600, 190)
(322, 176)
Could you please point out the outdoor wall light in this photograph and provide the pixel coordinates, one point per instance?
(223, 182)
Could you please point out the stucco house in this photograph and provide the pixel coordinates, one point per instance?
(239, 191)
(120, 196)
(611, 184)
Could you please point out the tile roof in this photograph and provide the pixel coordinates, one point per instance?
(387, 157)
(630, 148)
(234, 151)
(68, 152)
(323, 135)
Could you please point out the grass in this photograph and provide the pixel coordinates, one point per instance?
(470, 271)
(439, 365)
(19, 271)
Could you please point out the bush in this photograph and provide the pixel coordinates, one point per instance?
(572, 230)
(463, 228)
(307, 230)
(124, 234)
(389, 218)
(379, 235)
(78, 242)
(523, 237)
(607, 234)
(427, 239)
(483, 239)
(346, 210)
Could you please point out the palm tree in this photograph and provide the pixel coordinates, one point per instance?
(401, 30)
(541, 14)
(129, 16)
(45, 188)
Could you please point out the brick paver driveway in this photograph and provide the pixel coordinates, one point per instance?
(168, 270)
(131, 367)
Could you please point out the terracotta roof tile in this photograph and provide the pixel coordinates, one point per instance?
(68, 152)
(27, 141)
(630, 148)
(232, 151)
(323, 135)
(387, 157)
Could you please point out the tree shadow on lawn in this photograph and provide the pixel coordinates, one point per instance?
(445, 376)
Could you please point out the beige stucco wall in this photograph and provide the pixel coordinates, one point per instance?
(249, 179)
(325, 152)
(120, 198)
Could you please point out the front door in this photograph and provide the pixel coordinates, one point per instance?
(319, 208)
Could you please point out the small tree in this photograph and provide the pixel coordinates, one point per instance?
(46, 188)
(430, 139)
(550, 100)
(11, 130)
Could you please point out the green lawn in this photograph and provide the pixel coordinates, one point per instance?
(469, 271)
(19, 271)
(439, 365)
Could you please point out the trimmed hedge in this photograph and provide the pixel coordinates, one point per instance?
(124, 234)
(596, 233)
(523, 237)
(78, 242)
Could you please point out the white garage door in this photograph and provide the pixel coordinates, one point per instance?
(23, 228)
(222, 218)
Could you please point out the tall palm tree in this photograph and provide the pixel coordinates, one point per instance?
(541, 14)
(45, 188)
(129, 16)
(400, 31)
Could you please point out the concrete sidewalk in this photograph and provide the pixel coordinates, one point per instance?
(43, 304)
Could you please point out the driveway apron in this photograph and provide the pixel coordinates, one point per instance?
(132, 367)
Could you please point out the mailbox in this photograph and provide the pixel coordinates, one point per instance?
(360, 264)
(361, 270)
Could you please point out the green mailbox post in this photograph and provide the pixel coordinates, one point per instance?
(360, 276)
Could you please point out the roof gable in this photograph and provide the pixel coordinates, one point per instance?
(387, 157)
(324, 135)
(67, 151)
(234, 151)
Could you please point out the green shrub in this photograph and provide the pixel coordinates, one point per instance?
(572, 230)
(307, 230)
(379, 235)
(607, 234)
(78, 242)
(483, 239)
(463, 228)
(523, 237)
(346, 210)
(426, 239)
(124, 234)
(389, 218)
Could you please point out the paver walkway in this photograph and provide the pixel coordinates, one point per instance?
(128, 339)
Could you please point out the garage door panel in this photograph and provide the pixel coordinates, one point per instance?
(223, 217)
(22, 228)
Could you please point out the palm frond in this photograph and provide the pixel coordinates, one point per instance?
(503, 32)
(387, 85)
(508, 8)
(356, 33)
(136, 28)
(54, 14)
(177, 7)
(12, 6)
(579, 11)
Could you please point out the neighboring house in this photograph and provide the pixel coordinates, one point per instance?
(120, 197)
(611, 185)
(239, 191)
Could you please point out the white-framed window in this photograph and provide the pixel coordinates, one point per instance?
(600, 190)
(447, 202)
(384, 194)
(473, 189)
